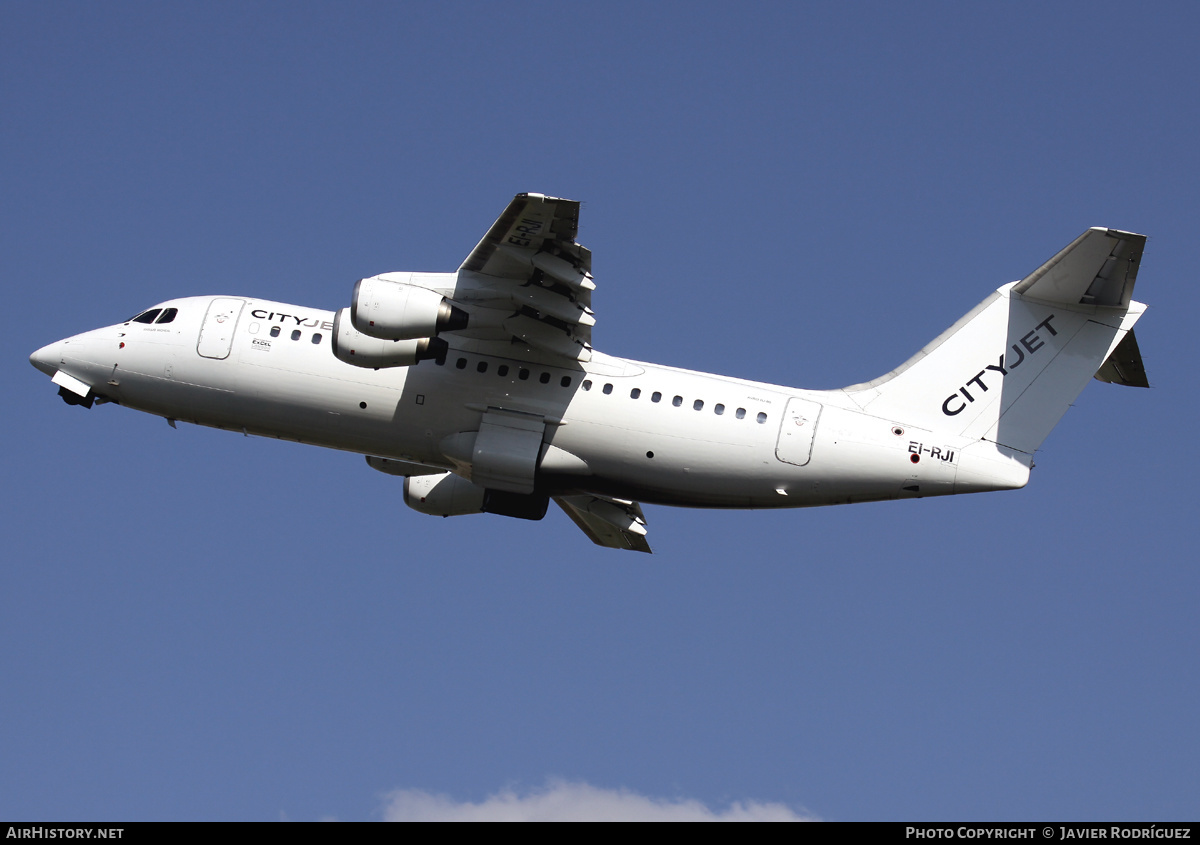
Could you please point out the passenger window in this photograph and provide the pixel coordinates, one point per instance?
(295, 334)
(587, 384)
(718, 409)
(481, 367)
(316, 338)
(607, 389)
(523, 374)
(656, 396)
(168, 315)
(274, 331)
(502, 370)
(677, 401)
(762, 418)
(147, 316)
(461, 364)
(544, 378)
(635, 393)
(741, 413)
(698, 405)
(565, 381)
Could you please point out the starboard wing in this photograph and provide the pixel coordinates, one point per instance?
(529, 263)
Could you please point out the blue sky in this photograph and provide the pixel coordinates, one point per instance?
(204, 626)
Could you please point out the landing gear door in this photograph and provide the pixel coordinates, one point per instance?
(797, 430)
(216, 333)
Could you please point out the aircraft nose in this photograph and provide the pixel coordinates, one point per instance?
(48, 357)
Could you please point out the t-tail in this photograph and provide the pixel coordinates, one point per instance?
(1003, 375)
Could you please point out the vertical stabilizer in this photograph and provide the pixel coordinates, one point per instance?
(1009, 369)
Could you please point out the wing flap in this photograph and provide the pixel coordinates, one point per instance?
(547, 337)
(613, 523)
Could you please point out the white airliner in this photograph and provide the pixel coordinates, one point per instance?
(482, 390)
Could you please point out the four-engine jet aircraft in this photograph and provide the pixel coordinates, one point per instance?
(481, 388)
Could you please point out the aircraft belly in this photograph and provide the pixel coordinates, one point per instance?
(661, 468)
(385, 418)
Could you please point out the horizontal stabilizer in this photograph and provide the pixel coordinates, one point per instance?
(1124, 364)
(615, 523)
(1097, 268)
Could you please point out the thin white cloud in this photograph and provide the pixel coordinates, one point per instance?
(566, 801)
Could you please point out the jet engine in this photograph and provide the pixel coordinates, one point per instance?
(452, 495)
(398, 311)
(443, 495)
(353, 347)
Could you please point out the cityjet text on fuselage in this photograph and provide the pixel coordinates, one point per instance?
(310, 322)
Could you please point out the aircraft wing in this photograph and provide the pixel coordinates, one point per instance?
(530, 266)
(615, 523)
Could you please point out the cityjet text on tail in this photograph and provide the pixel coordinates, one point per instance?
(481, 389)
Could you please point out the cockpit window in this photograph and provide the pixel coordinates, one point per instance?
(147, 316)
(167, 316)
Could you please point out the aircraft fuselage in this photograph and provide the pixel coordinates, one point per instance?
(622, 428)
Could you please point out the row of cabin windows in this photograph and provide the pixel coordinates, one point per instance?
(523, 374)
(503, 369)
(677, 401)
(296, 334)
(168, 314)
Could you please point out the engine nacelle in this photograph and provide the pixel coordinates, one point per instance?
(398, 311)
(452, 495)
(353, 347)
(443, 495)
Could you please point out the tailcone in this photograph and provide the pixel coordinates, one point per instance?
(985, 466)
